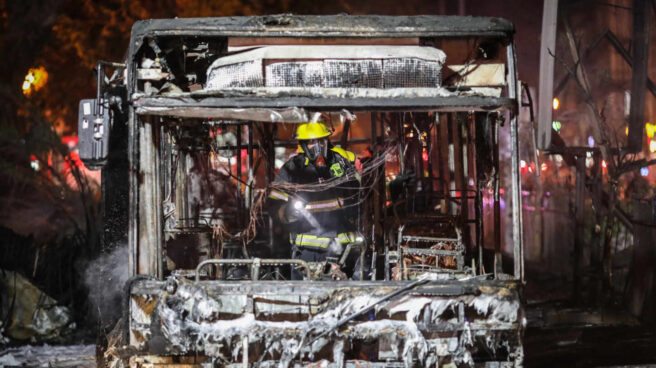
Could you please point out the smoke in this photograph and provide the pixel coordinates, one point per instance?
(105, 277)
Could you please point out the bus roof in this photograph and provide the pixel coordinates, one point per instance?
(342, 25)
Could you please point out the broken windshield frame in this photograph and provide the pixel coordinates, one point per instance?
(146, 229)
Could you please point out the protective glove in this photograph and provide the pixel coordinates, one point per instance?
(403, 180)
(288, 213)
(409, 178)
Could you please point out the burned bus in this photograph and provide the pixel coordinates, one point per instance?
(191, 129)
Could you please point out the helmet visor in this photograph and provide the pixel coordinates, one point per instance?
(314, 148)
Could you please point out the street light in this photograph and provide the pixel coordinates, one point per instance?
(644, 171)
(34, 80)
(651, 129)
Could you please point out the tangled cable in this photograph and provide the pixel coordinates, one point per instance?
(370, 172)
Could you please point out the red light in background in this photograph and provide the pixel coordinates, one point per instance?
(70, 141)
(75, 158)
(424, 156)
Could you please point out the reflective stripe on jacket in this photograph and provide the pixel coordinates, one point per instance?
(308, 240)
(279, 194)
(328, 213)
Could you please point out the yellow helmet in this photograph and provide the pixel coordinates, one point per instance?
(312, 130)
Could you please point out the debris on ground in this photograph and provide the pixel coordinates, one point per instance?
(79, 356)
(30, 313)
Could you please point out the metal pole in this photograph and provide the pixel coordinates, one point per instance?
(149, 236)
(480, 186)
(460, 162)
(442, 144)
(244, 352)
(617, 44)
(578, 226)
(238, 175)
(479, 224)
(134, 169)
(641, 15)
(381, 185)
(99, 75)
(133, 192)
(250, 165)
(376, 199)
(498, 263)
(516, 180)
(547, 47)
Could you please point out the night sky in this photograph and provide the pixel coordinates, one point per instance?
(68, 37)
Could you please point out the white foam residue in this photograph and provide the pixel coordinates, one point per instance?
(191, 322)
(412, 305)
(502, 310)
(439, 306)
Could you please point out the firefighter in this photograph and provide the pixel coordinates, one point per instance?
(320, 213)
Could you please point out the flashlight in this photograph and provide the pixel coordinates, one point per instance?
(299, 209)
(298, 205)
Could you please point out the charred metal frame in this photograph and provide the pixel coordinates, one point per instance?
(309, 27)
(254, 263)
(145, 217)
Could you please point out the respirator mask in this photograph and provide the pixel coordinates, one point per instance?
(316, 150)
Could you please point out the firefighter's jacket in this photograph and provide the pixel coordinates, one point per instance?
(334, 209)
